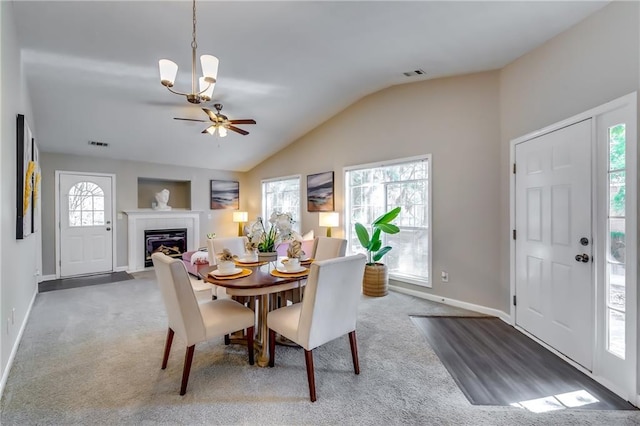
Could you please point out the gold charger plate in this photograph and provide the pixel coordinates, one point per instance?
(306, 262)
(279, 274)
(244, 273)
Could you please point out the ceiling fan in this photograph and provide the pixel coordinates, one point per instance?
(220, 122)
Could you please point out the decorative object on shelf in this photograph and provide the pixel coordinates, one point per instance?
(162, 198)
(211, 235)
(329, 219)
(376, 276)
(240, 218)
(225, 194)
(280, 229)
(320, 192)
(209, 63)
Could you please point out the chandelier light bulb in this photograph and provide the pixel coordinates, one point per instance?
(222, 131)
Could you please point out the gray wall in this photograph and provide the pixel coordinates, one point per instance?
(127, 174)
(19, 259)
(457, 121)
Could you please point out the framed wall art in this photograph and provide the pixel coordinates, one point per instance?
(320, 192)
(24, 178)
(225, 194)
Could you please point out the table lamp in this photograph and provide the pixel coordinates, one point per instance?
(240, 218)
(330, 220)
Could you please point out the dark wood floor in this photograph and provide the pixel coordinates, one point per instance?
(66, 283)
(494, 364)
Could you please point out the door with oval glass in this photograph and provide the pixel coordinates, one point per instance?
(85, 224)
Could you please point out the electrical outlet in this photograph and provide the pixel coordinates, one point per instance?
(8, 324)
(444, 275)
(13, 316)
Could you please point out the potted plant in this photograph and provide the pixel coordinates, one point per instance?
(266, 240)
(376, 276)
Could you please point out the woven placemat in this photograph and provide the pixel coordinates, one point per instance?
(244, 273)
(279, 274)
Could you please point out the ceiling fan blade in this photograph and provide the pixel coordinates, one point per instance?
(237, 130)
(211, 114)
(212, 128)
(245, 121)
(189, 119)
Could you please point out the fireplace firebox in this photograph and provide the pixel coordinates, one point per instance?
(172, 242)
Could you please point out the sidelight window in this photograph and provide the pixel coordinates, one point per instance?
(616, 242)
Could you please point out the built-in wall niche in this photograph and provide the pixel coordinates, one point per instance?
(179, 192)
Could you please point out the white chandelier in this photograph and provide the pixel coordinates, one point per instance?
(209, 63)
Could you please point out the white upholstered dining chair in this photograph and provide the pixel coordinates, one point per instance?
(329, 310)
(215, 246)
(327, 248)
(195, 322)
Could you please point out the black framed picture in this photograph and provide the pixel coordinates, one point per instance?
(320, 192)
(24, 179)
(225, 194)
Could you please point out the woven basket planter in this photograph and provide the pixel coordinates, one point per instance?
(375, 282)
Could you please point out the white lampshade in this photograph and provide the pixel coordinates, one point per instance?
(208, 94)
(209, 67)
(168, 72)
(329, 219)
(211, 130)
(222, 131)
(240, 217)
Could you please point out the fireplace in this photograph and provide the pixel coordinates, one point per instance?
(172, 242)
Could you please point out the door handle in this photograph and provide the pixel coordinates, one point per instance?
(109, 229)
(582, 257)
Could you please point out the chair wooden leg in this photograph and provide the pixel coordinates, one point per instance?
(188, 358)
(272, 348)
(167, 348)
(227, 339)
(308, 357)
(250, 348)
(354, 351)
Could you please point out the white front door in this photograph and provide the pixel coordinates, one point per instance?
(86, 237)
(553, 247)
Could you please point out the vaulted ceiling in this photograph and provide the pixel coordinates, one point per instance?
(92, 73)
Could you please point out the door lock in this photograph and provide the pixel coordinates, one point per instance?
(582, 257)
(584, 241)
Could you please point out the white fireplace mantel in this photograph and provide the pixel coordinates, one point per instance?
(142, 219)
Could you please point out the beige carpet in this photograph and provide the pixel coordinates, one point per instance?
(92, 356)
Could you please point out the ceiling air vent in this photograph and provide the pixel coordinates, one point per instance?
(414, 73)
(96, 143)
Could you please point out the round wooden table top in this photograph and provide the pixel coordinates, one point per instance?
(259, 282)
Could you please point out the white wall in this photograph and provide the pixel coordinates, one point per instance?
(19, 260)
(454, 119)
(592, 63)
(127, 173)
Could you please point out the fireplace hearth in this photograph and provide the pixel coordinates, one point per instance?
(172, 242)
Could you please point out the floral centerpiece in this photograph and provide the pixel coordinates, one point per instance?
(280, 229)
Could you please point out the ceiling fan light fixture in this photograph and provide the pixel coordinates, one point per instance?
(209, 64)
(222, 131)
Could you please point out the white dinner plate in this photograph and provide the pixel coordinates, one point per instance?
(217, 273)
(295, 271)
(246, 261)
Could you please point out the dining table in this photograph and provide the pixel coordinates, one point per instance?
(262, 281)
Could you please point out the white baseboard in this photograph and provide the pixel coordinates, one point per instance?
(120, 269)
(14, 350)
(47, 277)
(453, 302)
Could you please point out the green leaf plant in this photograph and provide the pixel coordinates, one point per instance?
(373, 245)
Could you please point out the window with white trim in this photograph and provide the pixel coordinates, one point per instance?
(281, 195)
(373, 189)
